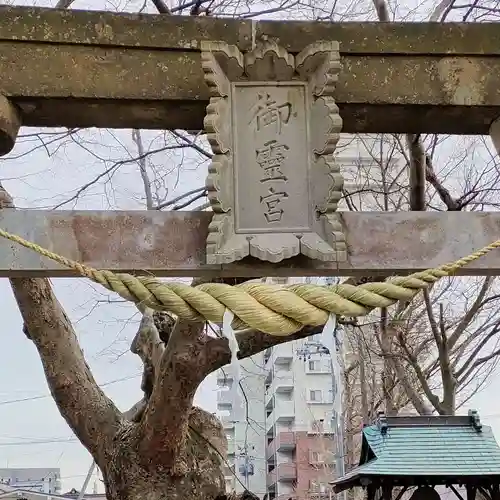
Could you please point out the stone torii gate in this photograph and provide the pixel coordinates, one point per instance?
(84, 69)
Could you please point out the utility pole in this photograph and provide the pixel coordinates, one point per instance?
(334, 347)
(86, 482)
(248, 467)
(337, 359)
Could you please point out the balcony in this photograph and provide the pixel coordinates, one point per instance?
(227, 421)
(283, 353)
(282, 382)
(228, 472)
(224, 380)
(284, 410)
(326, 458)
(284, 441)
(320, 366)
(231, 447)
(320, 427)
(224, 399)
(283, 472)
(315, 495)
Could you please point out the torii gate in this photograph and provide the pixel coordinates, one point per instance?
(83, 69)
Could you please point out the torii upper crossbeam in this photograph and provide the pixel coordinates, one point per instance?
(80, 69)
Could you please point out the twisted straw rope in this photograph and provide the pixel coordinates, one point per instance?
(274, 309)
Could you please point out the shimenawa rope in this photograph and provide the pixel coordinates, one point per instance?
(274, 309)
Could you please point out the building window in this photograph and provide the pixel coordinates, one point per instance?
(316, 457)
(318, 426)
(314, 366)
(317, 487)
(315, 396)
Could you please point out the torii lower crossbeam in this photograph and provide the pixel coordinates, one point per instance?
(173, 244)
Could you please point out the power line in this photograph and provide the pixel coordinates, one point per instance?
(44, 396)
(40, 441)
(33, 441)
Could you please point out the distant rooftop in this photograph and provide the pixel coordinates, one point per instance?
(29, 473)
(441, 449)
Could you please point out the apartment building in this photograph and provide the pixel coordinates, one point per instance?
(240, 406)
(301, 428)
(42, 480)
(375, 173)
(283, 418)
(280, 421)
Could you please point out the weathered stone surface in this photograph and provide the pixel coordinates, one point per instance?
(495, 134)
(406, 77)
(173, 244)
(10, 122)
(38, 24)
(273, 124)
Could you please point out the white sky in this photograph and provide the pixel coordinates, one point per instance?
(33, 434)
(104, 330)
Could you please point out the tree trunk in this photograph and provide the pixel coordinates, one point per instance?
(163, 447)
(126, 477)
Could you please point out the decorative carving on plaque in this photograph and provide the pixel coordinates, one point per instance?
(273, 126)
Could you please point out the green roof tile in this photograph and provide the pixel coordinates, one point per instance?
(435, 449)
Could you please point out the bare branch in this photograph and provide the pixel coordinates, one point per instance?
(92, 416)
(417, 172)
(86, 409)
(137, 138)
(64, 4)
(181, 197)
(251, 342)
(471, 313)
(444, 194)
(161, 7)
(413, 361)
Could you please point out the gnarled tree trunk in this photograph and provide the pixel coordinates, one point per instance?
(163, 447)
(127, 477)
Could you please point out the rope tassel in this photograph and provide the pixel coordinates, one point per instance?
(274, 309)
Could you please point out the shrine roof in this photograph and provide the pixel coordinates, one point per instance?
(444, 448)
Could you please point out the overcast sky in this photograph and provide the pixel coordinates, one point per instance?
(104, 330)
(33, 434)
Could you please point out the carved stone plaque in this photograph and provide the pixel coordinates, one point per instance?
(273, 125)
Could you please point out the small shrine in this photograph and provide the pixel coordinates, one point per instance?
(426, 458)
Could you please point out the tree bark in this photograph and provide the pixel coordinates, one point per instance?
(127, 476)
(163, 447)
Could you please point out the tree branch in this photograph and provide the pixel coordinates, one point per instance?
(471, 313)
(143, 168)
(417, 172)
(472, 358)
(447, 407)
(478, 362)
(149, 345)
(422, 379)
(88, 411)
(161, 7)
(251, 342)
(444, 194)
(183, 366)
(388, 332)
